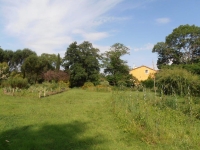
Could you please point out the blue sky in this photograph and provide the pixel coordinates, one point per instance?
(49, 26)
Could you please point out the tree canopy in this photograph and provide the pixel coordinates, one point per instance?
(82, 63)
(15, 59)
(182, 46)
(116, 69)
(4, 71)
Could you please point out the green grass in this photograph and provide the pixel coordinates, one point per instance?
(88, 120)
(159, 121)
(75, 119)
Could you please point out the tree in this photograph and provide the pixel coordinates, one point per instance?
(58, 62)
(1, 55)
(182, 46)
(50, 60)
(7, 57)
(81, 61)
(116, 69)
(20, 56)
(29, 68)
(15, 59)
(4, 71)
(165, 54)
(34, 67)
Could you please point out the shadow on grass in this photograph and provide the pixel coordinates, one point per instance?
(49, 137)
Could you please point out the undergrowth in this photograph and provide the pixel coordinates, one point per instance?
(37, 90)
(160, 121)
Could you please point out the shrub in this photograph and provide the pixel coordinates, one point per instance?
(177, 81)
(56, 76)
(149, 83)
(88, 85)
(104, 83)
(15, 82)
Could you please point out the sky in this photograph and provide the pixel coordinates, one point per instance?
(49, 26)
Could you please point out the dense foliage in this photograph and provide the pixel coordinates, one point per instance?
(15, 82)
(193, 68)
(56, 76)
(15, 59)
(82, 63)
(116, 69)
(177, 81)
(4, 71)
(182, 46)
(29, 66)
(178, 61)
(149, 83)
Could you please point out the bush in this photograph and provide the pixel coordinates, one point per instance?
(177, 81)
(15, 82)
(149, 83)
(88, 85)
(56, 76)
(104, 83)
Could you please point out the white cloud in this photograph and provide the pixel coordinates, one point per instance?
(148, 46)
(91, 36)
(163, 20)
(46, 25)
(104, 19)
(102, 48)
(95, 36)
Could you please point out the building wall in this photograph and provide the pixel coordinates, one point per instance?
(142, 73)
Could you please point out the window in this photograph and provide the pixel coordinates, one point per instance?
(146, 71)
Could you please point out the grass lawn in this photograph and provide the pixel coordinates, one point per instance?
(75, 119)
(79, 119)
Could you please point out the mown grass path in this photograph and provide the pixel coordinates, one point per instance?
(72, 120)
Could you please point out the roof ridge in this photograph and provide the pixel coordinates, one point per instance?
(143, 66)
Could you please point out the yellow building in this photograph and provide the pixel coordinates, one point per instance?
(142, 72)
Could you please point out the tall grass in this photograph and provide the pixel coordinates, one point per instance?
(167, 122)
(37, 90)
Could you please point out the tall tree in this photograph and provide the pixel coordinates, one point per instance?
(182, 46)
(50, 61)
(34, 67)
(81, 61)
(26, 52)
(15, 59)
(185, 40)
(58, 62)
(8, 58)
(116, 69)
(20, 56)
